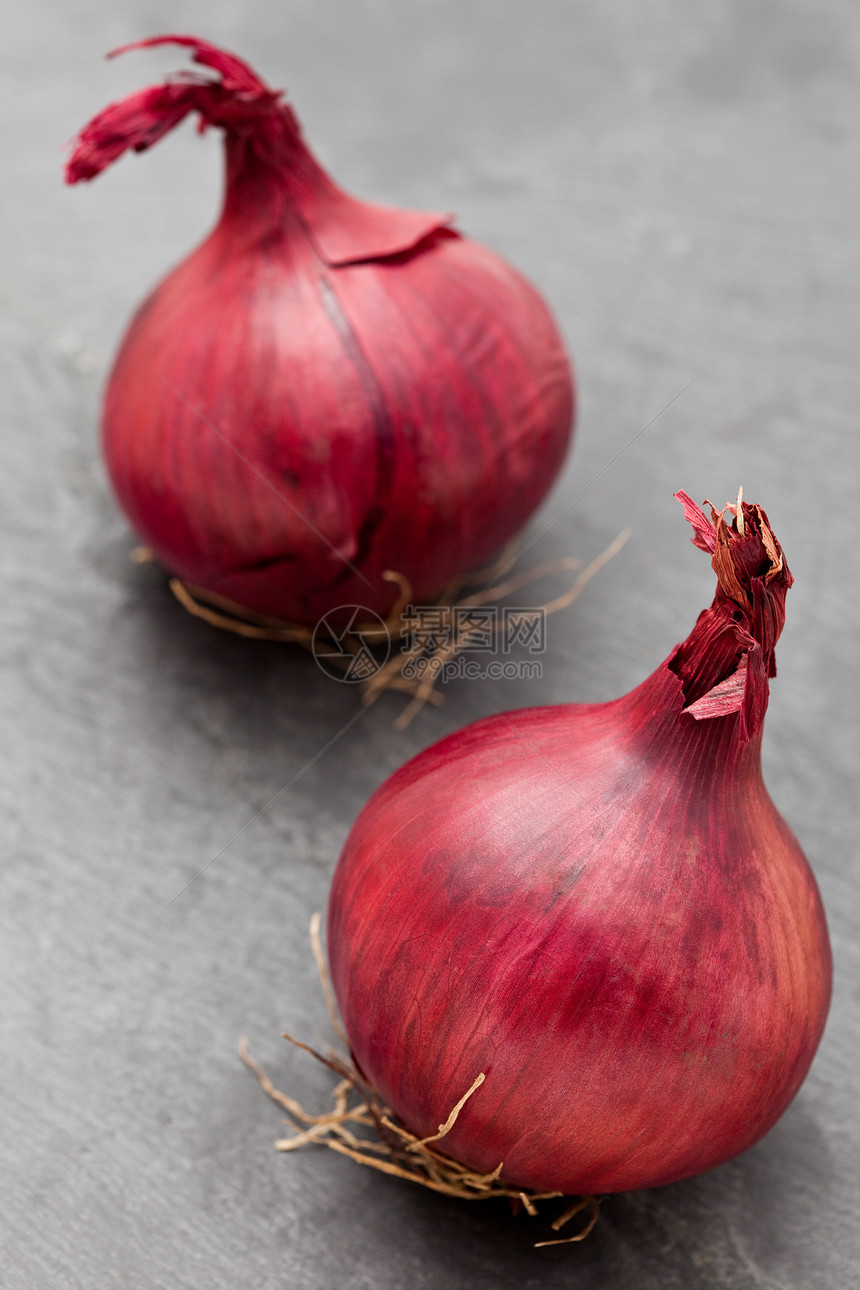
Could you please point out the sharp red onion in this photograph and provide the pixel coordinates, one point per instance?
(598, 907)
(325, 389)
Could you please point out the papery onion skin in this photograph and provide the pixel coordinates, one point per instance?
(325, 389)
(600, 908)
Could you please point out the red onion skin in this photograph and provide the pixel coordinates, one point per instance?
(600, 908)
(324, 390)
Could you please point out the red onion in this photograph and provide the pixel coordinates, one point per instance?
(325, 389)
(599, 908)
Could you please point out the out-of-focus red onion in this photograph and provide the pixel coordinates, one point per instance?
(325, 389)
(598, 907)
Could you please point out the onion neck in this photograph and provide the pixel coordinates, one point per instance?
(660, 729)
(270, 176)
(704, 706)
(274, 184)
(275, 187)
(725, 664)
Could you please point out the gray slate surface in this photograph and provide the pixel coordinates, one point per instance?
(681, 182)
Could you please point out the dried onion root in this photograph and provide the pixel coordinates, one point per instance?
(428, 662)
(362, 1128)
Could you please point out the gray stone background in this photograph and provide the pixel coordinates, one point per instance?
(681, 181)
